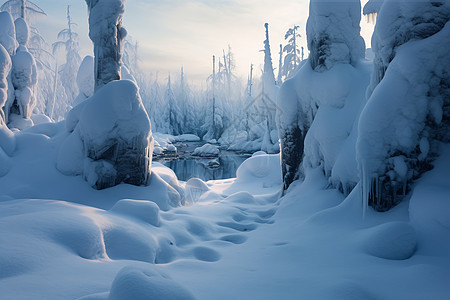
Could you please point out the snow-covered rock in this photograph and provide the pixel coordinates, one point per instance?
(206, 150)
(112, 141)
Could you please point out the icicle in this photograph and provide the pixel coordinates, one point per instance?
(371, 18)
(365, 191)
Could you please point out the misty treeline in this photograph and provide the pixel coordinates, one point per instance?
(237, 113)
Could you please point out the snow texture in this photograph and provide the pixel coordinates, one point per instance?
(111, 140)
(105, 245)
(318, 109)
(407, 112)
(333, 33)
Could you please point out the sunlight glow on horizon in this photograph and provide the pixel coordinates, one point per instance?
(176, 33)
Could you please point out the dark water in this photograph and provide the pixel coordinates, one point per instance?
(187, 166)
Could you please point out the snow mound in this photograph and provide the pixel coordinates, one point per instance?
(206, 150)
(113, 131)
(146, 211)
(194, 189)
(393, 240)
(143, 284)
(260, 166)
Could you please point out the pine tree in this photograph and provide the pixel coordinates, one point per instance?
(291, 60)
(68, 41)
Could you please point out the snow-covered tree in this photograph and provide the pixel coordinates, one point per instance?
(408, 110)
(291, 59)
(318, 108)
(68, 41)
(5, 68)
(173, 111)
(111, 140)
(24, 79)
(24, 9)
(338, 43)
(268, 96)
(8, 41)
(107, 34)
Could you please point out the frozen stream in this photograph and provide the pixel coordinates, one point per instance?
(186, 166)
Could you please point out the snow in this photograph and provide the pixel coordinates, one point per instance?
(206, 150)
(111, 132)
(85, 80)
(234, 238)
(8, 32)
(24, 79)
(107, 34)
(333, 33)
(5, 67)
(245, 237)
(403, 115)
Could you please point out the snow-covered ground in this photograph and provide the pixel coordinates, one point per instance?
(225, 239)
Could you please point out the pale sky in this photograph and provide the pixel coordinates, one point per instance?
(172, 33)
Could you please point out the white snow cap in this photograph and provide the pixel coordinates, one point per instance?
(333, 32)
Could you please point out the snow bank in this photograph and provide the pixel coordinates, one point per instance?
(393, 240)
(206, 150)
(407, 111)
(112, 141)
(145, 283)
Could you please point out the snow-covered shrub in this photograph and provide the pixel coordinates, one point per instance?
(24, 79)
(333, 33)
(111, 140)
(408, 111)
(85, 80)
(107, 34)
(317, 109)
